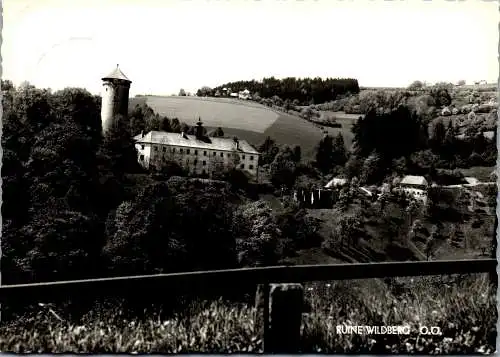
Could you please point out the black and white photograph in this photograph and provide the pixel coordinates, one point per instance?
(249, 176)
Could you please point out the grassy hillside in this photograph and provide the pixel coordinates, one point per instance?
(247, 120)
(214, 112)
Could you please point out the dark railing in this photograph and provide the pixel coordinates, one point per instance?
(235, 278)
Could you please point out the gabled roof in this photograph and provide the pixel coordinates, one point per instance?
(190, 141)
(413, 180)
(336, 182)
(117, 74)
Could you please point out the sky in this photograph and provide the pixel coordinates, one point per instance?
(165, 45)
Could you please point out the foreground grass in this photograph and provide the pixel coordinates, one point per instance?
(463, 307)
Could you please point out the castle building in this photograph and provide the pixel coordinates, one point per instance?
(115, 93)
(198, 154)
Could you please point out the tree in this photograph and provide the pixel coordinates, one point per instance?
(393, 134)
(441, 95)
(283, 168)
(353, 167)
(119, 146)
(185, 128)
(347, 231)
(411, 211)
(165, 125)
(175, 125)
(372, 170)
(438, 135)
(431, 243)
(268, 150)
(416, 85)
(297, 153)
(182, 93)
(217, 133)
(172, 226)
(324, 154)
(339, 150)
(256, 234)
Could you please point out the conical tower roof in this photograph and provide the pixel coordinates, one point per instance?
(117, 74)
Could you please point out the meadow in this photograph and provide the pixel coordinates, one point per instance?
(224, 113)
(344, 119)
(245, 119)
(463, 307)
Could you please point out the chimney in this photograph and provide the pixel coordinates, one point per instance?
(142, 133)
(236, 143)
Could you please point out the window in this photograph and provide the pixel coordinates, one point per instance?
(243, 157)
(250, 167)
(204, 163)
(242, 166)
(251, 157)
(203, 172)
(215, 153)
(196, 152)
(195, 161)
(164, 149)
(181, 150)
(204, 153)
(221, 154)
(142, 147)
(141, 158)
(156, 148)
(188, 151)
(173, 149)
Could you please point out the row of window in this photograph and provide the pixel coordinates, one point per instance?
(188, 151)
(204, 163)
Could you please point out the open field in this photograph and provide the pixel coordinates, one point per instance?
(467, 322)
(247, 120)
(344, 119)
(225, 113)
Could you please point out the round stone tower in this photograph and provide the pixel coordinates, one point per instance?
(115, 94)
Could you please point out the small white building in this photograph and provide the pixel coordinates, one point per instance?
(416, 186)
(336, 182)
(244, 94)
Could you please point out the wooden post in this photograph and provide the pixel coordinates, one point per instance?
(286, 307)
(278, 316)
(266, 288)
(261, 318)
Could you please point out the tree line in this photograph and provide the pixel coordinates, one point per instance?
(304, 91)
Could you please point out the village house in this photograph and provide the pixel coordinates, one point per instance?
(244, 94)
(198, 154)
(416, 186)
(336, 182)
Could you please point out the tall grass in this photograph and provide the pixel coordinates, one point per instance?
(464, 307)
